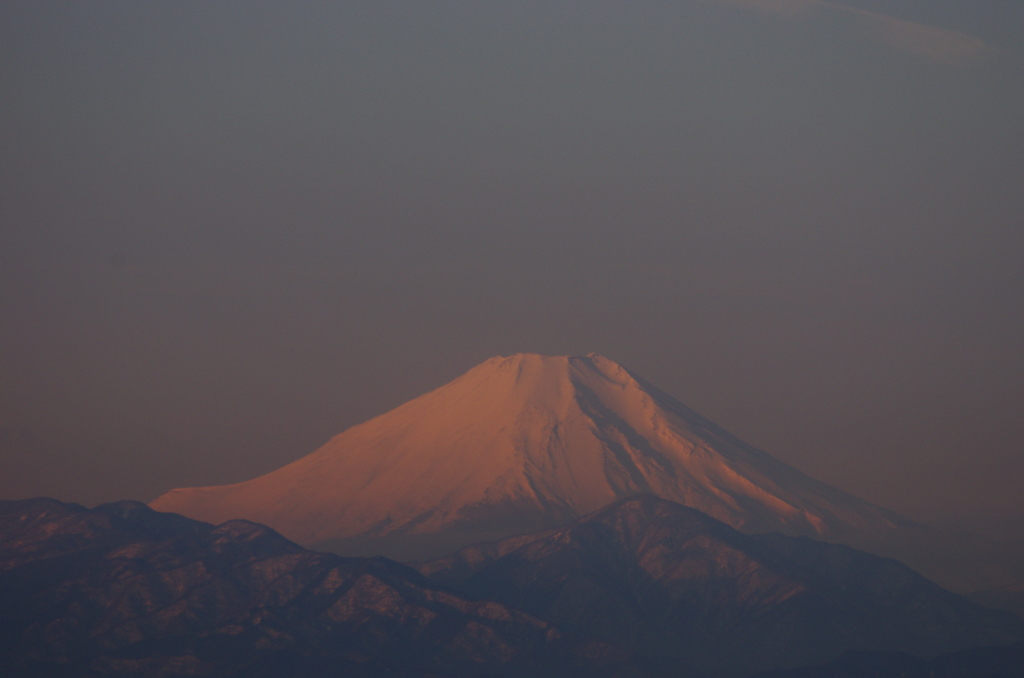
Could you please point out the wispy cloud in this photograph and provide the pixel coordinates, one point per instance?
(936, 44)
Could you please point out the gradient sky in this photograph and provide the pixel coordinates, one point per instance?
(230, 230)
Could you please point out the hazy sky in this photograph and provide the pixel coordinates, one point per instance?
(230, 230)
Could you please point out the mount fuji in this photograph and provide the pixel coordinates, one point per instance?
(529, 442)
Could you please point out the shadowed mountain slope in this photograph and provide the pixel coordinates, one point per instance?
(121, 590)
(1010, 598)
(685, 590)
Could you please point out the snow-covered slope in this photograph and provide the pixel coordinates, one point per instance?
(525, 442)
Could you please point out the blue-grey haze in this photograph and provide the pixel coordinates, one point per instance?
(230, 230)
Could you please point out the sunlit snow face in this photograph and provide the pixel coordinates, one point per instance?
(524, 442)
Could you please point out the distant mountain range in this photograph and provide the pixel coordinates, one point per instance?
(683, 590)
(121, 590)
(644, 588)
(529, 442)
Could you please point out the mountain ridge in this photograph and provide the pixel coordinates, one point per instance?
(682, 589)
(122, 590)
(643, 588)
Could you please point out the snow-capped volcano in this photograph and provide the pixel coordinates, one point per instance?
(525, 442)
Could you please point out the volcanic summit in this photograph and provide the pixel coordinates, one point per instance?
(521, 443)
